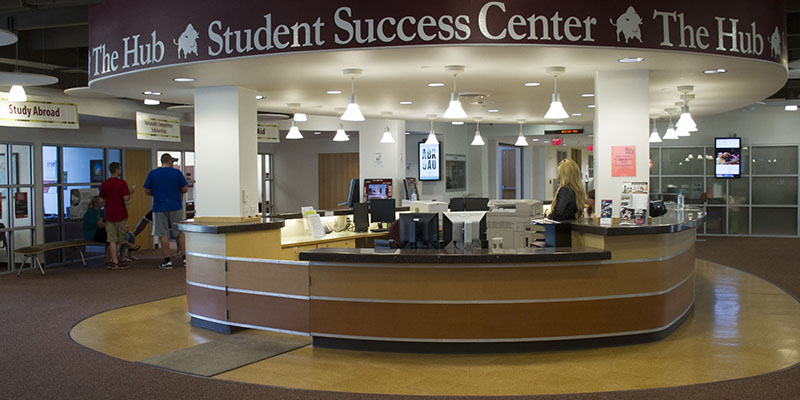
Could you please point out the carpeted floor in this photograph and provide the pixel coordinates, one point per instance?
(39, 361)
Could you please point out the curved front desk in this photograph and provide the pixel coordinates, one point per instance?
(615, 281)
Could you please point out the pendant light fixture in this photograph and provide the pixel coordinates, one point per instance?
(299, 117)
(477, 140)
(341, 135)
(686, 121)
(387, 134)
(294, 133)
(670, 134)
(521, 141)
(654, 137)
(353, 112)
(681, 130)
(556, 110)
(432, 135)
(454, 109)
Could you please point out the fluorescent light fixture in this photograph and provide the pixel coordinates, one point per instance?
(715, 71)
(556, 110)
(436, 84)
(17, 94)
(183, 79)
(151, 93)
(591, 106)
(406, 103)
(387, 136)
(587, 95)
(334, 92)
(300, 117)
(493, 111)
(631, 59)
(318, 133)
(457, 122)
(259, 97)
(576, 114)
(431, 136)
(353, 112)
(341, 136)
(294, 133)
(521, 139)
(789, 107)
(151, 102)
(532, 84)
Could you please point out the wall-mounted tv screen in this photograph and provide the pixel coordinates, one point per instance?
(430, 168)
(727, 157)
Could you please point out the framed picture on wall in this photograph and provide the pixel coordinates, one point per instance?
(97, 172)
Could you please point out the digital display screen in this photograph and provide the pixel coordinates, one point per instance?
(377, 191)
(430, 168)
(727, 157)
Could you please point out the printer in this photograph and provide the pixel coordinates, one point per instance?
(428, 206)
(511, 220)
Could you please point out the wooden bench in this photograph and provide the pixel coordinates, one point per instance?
(30, 252)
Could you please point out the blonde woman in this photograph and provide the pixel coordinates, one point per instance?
(570, 198)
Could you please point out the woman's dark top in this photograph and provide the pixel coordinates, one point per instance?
(566, 206)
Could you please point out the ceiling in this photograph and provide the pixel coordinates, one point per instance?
(53, 39)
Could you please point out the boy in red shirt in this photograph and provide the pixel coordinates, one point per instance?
(116, 193)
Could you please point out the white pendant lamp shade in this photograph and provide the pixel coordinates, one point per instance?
(387, 136)
(478, 140)
(686, 122)
(431, 136)
(681, 131)
(556, 110)
(300, 117)
(341, 136)
(654, 137)
(294, 133)
(454, 110)
(353, 112)
(17, 93)
(521, 141)
(671, 134)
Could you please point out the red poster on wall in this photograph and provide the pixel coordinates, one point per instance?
(623, 160)
(21, 205)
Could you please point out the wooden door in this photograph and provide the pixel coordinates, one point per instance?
(137, 166)
(576, 156)
(335, 172)
(508, 179)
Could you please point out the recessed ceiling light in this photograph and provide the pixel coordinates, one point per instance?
(259, 97)
(591, 106)
(790, 107)
(761, 103)
(183, 79)
(715, 71)
(318, 133)
(576, 114)
(492, 111)
(405, 103)
(408, 133)
(532, 84)
(457, 122)
(535, 140)
(631, 59)
(151, 93)
(587, 95)
(590, 135)
(560, 121)
(151, 102)
(436, 84)
(334, 92)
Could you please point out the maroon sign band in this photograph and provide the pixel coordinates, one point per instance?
(127, 36)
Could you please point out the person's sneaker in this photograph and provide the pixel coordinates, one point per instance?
(119, 266)
(165, 265)
(109, 265)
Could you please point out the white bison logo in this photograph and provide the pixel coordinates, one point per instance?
(628, 25)
(187, 42)
(775, 43)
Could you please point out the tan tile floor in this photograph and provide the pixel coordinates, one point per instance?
(741, 326)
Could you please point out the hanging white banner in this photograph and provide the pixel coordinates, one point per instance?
(38, 112)
(268, 133)
(157, 127)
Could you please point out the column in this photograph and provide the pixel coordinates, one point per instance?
(226, 151)
(621, 119)
(383, 160)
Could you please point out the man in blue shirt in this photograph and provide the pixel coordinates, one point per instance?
(167, 186)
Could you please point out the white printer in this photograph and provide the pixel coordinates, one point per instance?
(511, 220)
(427, 206)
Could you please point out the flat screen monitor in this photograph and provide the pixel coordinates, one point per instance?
(377, 189)
(476, 204)
(457, 204)
(464, 229)
(727, 157)
(352, 193)
(382, 211)
(419, 230)
(430, 168)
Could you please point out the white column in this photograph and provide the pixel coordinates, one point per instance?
(225, 148)
(621, 119)
(383, 160)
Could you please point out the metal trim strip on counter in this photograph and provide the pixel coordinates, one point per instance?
(263, 328)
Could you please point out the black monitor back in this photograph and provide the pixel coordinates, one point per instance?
(361, 217)
(419, 230)
(352, 193)
(456, 204)
(382, 210)
(476, 204)
(447, 231)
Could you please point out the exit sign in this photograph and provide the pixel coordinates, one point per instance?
(590, 148)
(557, 142)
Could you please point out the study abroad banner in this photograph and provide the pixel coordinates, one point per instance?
(268, 133)
(157, 127)
(38, 112)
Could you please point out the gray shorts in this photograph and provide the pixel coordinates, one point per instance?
(166, 223)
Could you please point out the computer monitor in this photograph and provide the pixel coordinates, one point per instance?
(377, 189)
(419, 230)
(476, 204)
(361, 217)
(465, 229)
(352, 193)
(382, 211)
(457, 204)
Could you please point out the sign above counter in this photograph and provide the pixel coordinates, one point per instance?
(38, 112)
(128, 36)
